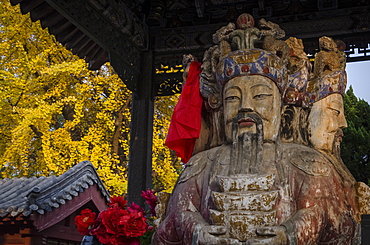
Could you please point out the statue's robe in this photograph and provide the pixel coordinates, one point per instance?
(316, 201)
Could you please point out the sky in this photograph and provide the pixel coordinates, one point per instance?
(358, 75)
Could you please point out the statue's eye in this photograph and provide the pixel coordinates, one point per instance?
(261, 96)
(231, 98)
(334, 111)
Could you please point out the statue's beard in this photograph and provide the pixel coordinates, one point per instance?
(247, 148)
(336, 143)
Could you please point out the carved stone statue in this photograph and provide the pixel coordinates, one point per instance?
(248, 185)
(326, 119)
(246, 35)
(327, 60)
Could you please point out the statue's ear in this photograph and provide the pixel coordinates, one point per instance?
(214, 101)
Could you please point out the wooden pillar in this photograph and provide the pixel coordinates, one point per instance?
(140, 159)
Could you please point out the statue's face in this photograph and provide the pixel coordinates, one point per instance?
(326, 121)
(256, 96)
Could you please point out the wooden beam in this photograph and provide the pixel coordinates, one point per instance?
(113, 27)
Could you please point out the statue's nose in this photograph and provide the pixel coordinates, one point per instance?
(245, 109)
(246, 104)
(342, 122)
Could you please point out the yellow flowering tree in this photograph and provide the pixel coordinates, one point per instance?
(166, 166)
(54, 112)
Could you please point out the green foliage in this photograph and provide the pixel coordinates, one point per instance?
(355, 148)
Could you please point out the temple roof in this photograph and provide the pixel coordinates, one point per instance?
(41, 194)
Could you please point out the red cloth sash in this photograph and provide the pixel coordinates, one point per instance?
(186, 119)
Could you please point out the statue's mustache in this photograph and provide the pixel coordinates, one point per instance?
(337, 133)
(246, 116)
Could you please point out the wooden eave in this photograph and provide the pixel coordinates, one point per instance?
(102, 30)
(92, 194)
(64, 31)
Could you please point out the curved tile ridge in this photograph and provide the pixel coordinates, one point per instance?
(44, 197)
(14, 192)
(27, 195)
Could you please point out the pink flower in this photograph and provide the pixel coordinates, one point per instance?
(150, 199)
(135, 208)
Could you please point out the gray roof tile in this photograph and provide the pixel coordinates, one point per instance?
(40, 194)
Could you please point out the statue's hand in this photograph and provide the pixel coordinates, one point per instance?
(275, 235)
(210, 235)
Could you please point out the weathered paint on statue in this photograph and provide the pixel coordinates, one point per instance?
(326, 121)
(253, 188)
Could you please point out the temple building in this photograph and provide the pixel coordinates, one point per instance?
(41, 210)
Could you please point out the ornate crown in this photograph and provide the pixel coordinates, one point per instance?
(306, 86)
(329, 70)
(244, 51)
(334, 82)
(252, 62)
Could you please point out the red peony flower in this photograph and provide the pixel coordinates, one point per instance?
(111, 219)
(101, 233)
(134, 224)
(84, 221)
(117, 202)
(150, 199)
(119, 224)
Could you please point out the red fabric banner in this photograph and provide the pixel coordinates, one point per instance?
(186, 119)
